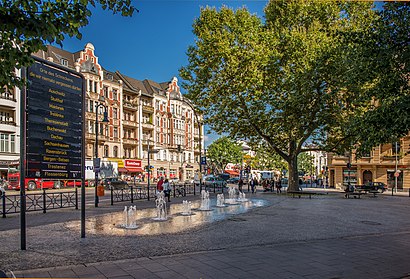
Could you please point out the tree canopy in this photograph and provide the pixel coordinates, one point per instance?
(388, 53)
(293, 79)
(26, 26)
(224, 151)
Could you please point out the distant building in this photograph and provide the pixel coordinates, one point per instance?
(379, 165)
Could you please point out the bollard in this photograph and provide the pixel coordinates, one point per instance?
(76, 197)
(112, 196)
(392, 191)
(3, 198)
(44, 200)
(132, 195)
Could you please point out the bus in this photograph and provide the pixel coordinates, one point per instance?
(31, 183)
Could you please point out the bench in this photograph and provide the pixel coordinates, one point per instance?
(354, 194)
(300, 193)
(374, 192)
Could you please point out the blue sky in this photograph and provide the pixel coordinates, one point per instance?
(151, 44)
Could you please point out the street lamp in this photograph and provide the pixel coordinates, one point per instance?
(105, 120)
(149, 165)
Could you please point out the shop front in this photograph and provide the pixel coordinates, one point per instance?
(131, 170)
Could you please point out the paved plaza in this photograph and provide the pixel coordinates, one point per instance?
(327, 236)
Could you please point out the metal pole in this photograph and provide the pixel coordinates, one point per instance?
(82, 168)
(395, 173)
(96, 157)
(149, 170)
(23, 136)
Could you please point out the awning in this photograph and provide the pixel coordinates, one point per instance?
(122, 170)
(232, 172)
(134, 169)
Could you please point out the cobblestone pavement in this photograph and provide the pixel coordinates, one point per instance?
(327, 236)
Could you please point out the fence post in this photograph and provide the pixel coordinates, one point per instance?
(132, 195)
(3, 198)
(112, 196)
(44, 201)
(76, 197)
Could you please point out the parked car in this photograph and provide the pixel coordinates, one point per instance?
(233, 180)
(223, 176)
(373, 186)
(211, 180)
(114, 183)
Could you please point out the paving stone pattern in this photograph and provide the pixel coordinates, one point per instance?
(323, 237)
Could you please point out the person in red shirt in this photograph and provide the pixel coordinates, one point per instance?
(160, 188)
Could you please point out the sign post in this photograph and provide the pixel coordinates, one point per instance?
(54, 121)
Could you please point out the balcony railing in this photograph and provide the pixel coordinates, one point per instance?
(148, 108)
(130, 141)
(129, 105)
(8, 122)
(129, 123)
(147, 125)
(7, 97)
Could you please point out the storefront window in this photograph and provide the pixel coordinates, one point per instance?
(349, 176)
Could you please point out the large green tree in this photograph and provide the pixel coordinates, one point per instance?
(388, 53)
(293, 79)
(223, 151)
(26, 26)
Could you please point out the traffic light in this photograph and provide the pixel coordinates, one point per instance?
(179, 148)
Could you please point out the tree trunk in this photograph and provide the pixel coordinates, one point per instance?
(293, 182)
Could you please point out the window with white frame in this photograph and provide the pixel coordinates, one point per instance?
(115, 94)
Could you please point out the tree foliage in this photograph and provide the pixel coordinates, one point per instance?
(292, 79)
(305, 163)
(223, 151)
(388, 53)
(26, 26)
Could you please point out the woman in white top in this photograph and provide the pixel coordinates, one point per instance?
(167, 189)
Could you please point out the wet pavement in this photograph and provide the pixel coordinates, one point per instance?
(274, 236)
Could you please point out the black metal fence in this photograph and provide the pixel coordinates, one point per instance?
(39, 201)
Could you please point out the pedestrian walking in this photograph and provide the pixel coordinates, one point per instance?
(160, 188)
(167, 189)
(279, 186)
(240, 185)
(252, 185)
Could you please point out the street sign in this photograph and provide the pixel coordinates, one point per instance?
(54, 122)
(96, 164)
(203, 160)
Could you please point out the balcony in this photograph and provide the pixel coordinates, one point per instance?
(8, 101)
(149, 109)
(147, 125)
(129, 123)
(129, 141)
(8, 126)
(130, 106)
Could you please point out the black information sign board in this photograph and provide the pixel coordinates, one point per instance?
(54, 122)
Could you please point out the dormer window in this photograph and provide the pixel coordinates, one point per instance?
(64, 62)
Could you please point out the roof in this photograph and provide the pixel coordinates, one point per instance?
(131, 84)
(57, 54)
